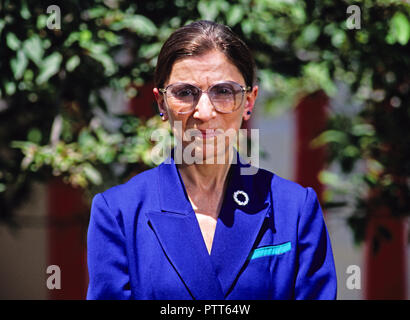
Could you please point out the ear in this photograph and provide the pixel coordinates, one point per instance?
(161, 104)
(249, 103)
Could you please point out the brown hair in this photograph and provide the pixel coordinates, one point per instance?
(199, 38)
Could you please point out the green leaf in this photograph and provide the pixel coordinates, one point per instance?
(2, 24)
(363, 129)
(310, 33)
(338, 38)
(329, 136)
(85, 36)
(149, 51)
(317, 76)
(375, 166)
(399, 29)
(112, 38)
(73, 37)
(351, 151)
(106, 61)
(92, 174)
(50, 66)
(24, 11)
(329, 178)
(12, 41)
(33, 48)
(72, 63)
(19, 64)
(137, 23)
(34, 135)
(208, 9)
(234, 15)
(41, 21)
(247, 26)
(297, 13)
(10, 88)
(97, 12)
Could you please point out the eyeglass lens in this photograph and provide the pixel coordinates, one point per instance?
(225, 97)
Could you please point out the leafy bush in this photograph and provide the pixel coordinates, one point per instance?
(54, 117)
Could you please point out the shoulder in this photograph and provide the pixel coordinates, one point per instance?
(285, 193)
(280, 187)
(296, 209)
(288, 189)
(135, 189)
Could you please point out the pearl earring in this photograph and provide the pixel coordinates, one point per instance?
(161, 114)
(248, 112)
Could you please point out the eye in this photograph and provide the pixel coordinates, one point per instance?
(183, 92)
(223, 90)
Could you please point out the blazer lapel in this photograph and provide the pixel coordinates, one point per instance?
(179, 234)
(238, 225)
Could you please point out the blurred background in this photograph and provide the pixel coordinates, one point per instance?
(77, 113)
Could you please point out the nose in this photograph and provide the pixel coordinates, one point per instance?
(204, 110)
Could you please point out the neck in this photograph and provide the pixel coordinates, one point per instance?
(206, 176)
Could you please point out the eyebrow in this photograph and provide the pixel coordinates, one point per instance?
(197, 85)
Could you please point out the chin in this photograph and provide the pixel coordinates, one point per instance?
(206, 151)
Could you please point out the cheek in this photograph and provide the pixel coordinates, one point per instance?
(234, 121)
(178, 124)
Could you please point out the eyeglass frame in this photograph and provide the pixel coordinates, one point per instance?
(244, 90)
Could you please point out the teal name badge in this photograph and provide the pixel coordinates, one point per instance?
(270, 250)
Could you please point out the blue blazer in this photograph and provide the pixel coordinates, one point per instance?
(144, 241)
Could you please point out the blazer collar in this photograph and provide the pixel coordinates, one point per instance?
(210, 276)
(179, 234)
(172, 193)
(238, 225)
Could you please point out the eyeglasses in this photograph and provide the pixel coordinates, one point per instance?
(226, 97)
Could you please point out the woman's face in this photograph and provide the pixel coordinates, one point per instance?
(204, 71)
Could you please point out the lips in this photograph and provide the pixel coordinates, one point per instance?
(202, 133)
(208, 133)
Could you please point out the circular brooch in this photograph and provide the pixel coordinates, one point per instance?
(244, 195)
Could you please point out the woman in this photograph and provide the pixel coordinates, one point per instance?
(201, 229)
